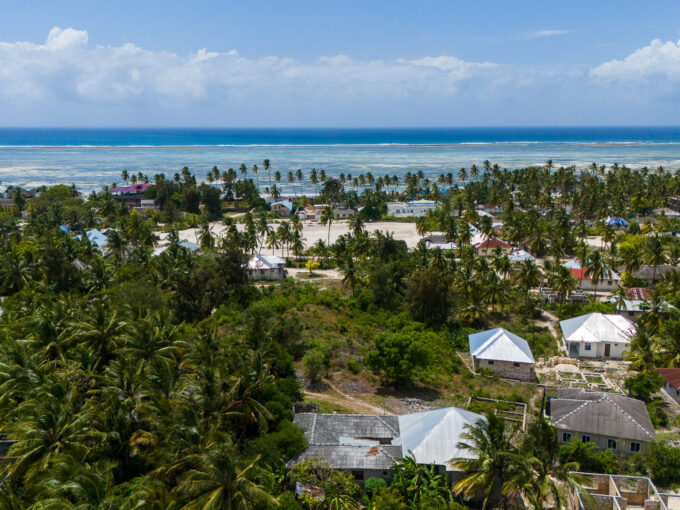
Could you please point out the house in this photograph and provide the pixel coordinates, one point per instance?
(343, 213)
(313, 212)
(492, 209)
(597, 335)
(552, 297)
(146, 206)
(635, 303)
(572, 264)
(652, 276)
(608, 420)
(96, 237)
(520, 256)
(672, 386)
(413, 209)
(607, 282)
(502, 352)
(192, 247)
(266, 267)
(132, 195)
(367, 446)
(440, 241)
(282, 208)
(487, 246)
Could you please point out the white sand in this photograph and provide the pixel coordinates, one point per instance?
(313, 231)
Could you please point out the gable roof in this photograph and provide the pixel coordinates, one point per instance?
(606, 414)
(646, 272)
(433, 436)
(494, 242)
(672, 376)
(520, 255)
(258, 261)
(287, 205)
(597, 327)
(500, 344)
(133, 188)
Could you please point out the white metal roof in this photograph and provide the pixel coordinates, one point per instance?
(572, 264)
(265, 261)
(433, 436)
(499, 344)
(520, 255)
(597, 327)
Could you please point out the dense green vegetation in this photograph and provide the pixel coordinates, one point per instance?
(139, 381)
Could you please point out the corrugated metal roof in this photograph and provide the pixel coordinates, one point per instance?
(597, 327)
(433, 436)
(500, 344)
(605, 414)
(672, 375)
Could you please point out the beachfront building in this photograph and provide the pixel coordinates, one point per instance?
(608, 420)
(314, 212)
(502, 352)
(607, 283)
(672, 384)
(266, 267)
(146, 206)
(282, 208)
(367, 446)
(597, 335)
(413, 209)
(132, 195)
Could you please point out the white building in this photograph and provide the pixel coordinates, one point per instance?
(266, 267)
(413, 209)
(597, 335)
(502, 352)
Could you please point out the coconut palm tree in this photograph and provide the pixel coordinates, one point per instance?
(486, 466)
(654, 254)
(327, 218)
(643, 350)
(597, 269)
(562, 282)
(529, 276)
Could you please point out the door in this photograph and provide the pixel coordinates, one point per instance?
(606, 350)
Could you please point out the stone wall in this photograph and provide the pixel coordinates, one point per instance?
(507, 369)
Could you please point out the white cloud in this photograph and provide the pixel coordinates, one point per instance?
(546, 33)
(66, 68)
(658, 60)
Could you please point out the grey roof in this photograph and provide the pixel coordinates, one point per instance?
(646, 272)
(360, 442)
(500, 344)
(605, 414)
(350, 441)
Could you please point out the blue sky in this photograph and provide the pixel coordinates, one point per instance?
(322, 63)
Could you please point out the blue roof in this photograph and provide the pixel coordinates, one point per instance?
(96, 237)
(288, 205)
(617, 221)
(64, 229)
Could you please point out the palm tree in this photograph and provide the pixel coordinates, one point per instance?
(643, 350)
(529, 276)
(124, 175)
(488, 447)
(654, 254)
(267, 167)
(327, 219)
(254, 170)
(350, 273)
(562, 282)
(597, 269)
(99, 329)
(356, 224)
(217, 481)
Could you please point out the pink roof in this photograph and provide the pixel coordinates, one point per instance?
(134, 188)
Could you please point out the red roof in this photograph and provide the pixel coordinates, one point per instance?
(492, 243)
(672, 375)
(639, 293)
(580, 274)
(134, 188)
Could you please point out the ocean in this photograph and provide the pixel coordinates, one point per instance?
(91, 158)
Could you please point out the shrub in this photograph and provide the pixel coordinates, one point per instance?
(314, 364)
(396, 356)
(374, 483)
(643, 385)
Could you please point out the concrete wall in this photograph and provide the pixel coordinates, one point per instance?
(507, 369)
(622, 446)
(400, 210)
(602, 285)
(616, 349)
(672, 392)
(267, 274)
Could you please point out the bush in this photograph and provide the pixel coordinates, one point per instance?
(643, 385)
(589, 457)
(663, 462)
(314, 365)
(374, 483)
(396, 356)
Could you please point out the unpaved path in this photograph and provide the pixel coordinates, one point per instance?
(348, 402)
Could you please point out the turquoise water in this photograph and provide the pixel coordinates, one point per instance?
(91, 158)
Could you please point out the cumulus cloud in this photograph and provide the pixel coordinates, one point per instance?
(659, 59)
(65, 67)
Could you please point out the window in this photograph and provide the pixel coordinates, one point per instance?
(490, 362)
(634, 446)
(358, 475)
(611, 444)
(609, 283)
(587, 347)
(566, 437)
(515, 364)
(585, 439)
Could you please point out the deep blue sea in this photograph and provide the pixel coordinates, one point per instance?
(91, 158)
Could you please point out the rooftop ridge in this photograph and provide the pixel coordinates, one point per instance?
(629, 416)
